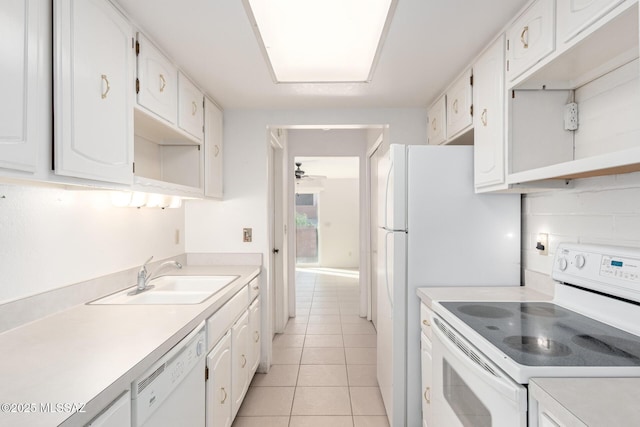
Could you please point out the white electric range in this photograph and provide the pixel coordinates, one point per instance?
(484, 353)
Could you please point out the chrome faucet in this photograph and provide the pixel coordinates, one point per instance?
(144, 276)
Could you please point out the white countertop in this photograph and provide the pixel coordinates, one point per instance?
(90, 354)
(592, 402)
(480, 293)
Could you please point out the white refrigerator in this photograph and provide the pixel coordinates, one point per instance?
(433, 231)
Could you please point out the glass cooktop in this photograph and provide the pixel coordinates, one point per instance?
(544, 334)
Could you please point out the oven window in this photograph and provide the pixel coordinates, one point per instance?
(465, 404)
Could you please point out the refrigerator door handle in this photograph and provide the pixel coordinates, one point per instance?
(386, 266)
(386, 197)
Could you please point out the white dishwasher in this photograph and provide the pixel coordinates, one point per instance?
(172, 392)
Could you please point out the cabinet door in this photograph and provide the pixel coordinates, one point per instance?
(254, 336)
(212, 150)
(23, 82)
(240, 362)
(488, 126)
(574, 16)
(190, 102)
(427, 381)
(157, 83)
(544, 420)
(459, 102)
(530, 38)
(437, 122)
(219, 384)
(117, 414)
(93, 91)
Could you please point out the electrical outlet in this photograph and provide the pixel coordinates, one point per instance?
(246, 234)
(571, 116)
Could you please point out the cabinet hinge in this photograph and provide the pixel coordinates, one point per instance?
(134, 167)
(471, 110)
(206, 373)
(198, 148)
(513, 94)
(507, 44)
(137, 85)
(137, 48)
(507, 65)
(471, 80)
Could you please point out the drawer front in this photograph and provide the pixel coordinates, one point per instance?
(254, 288)
(220, 322)
(425, 320)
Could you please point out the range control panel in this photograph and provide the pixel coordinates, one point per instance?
(608, 269)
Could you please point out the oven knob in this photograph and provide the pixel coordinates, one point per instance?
(580, 261)
(562, 264)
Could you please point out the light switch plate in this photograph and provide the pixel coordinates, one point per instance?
(247, 234)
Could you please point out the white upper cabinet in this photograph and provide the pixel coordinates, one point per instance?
(93, 91)
(190, 106)
(437, 128)
(530, 38)
(213, 135)
(22, 38)
(157, 82)
(574, 16)
(489, 119)
(459, 101)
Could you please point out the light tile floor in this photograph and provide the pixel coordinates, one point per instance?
(324, 365)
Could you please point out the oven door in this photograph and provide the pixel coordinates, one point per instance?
(468, 389)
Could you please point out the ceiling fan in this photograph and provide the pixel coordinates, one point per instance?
(299, 172)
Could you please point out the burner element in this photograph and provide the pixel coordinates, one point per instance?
(485, 311)
(537, 345)
(609, 345)
(546, 310)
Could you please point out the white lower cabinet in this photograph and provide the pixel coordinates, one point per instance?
(240, 362)
(219, 384)
(426, 364)
(544, 420)
(254, 336)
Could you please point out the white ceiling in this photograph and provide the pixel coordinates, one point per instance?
(428, 44)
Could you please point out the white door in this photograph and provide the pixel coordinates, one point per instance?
(240, 362)
(488, 98)
(21, 34)
(93, 91)
(157, 81)
(190, 106)
(213, 139)
(219, 384)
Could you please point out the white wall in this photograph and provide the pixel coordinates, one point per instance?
(51, 237)
(339, 224)
(602, 210)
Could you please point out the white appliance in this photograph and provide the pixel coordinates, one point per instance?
(434, 231)
(484, 353)
(172, 392)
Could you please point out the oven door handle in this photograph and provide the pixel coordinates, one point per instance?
(481, 366)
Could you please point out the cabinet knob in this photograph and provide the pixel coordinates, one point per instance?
(427, 394)
(106, 83)
(194, 108)
(216, 150)
(524, 37)
(434, 124)
(455, 106)
(224, 398)
(256, 336)
(483, 117)
(163, 83)
(425, 322)
(244, 361)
